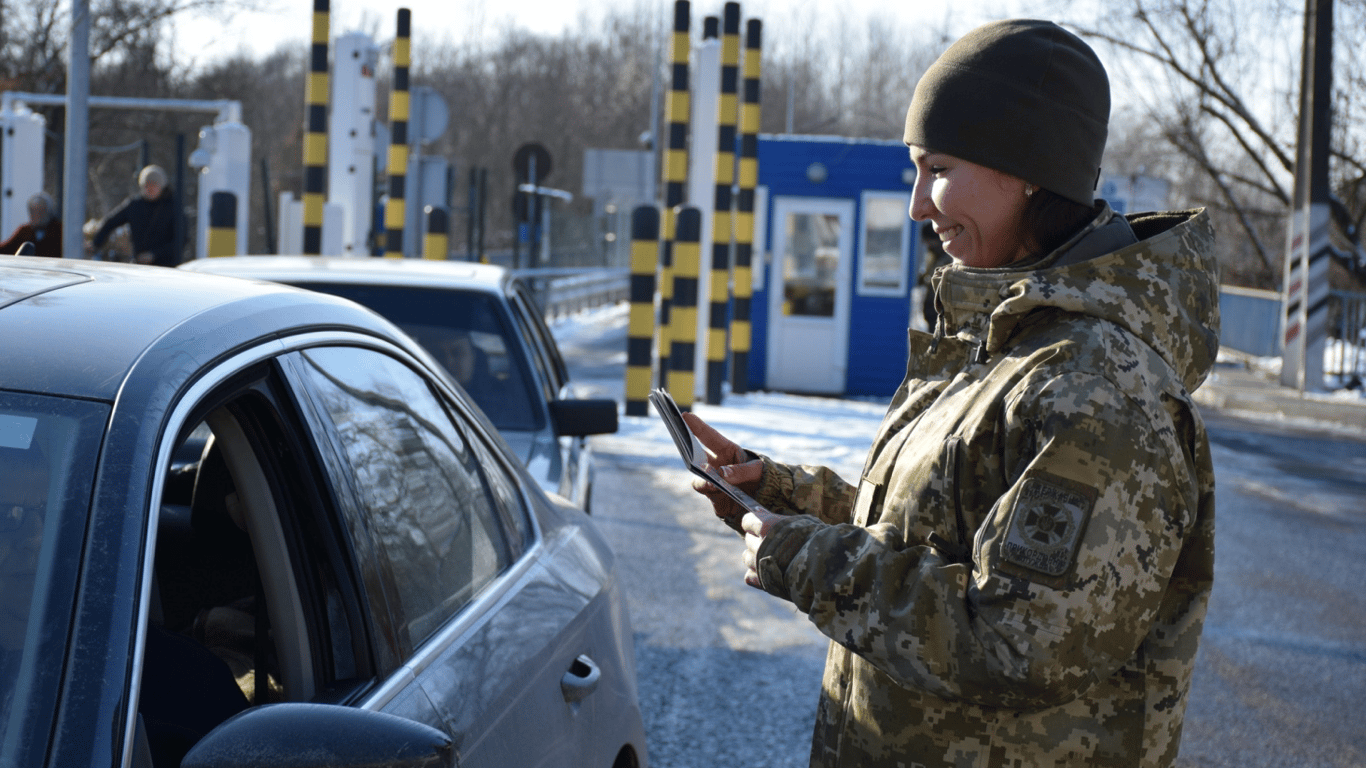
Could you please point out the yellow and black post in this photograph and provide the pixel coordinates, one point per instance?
(437, 244)
(395, 212)
(740, 326)
(676, 114)
(640, 328)
(719, 307)
(315, 138)
(222, 224)
(687, 269)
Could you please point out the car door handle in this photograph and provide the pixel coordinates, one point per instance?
(581, 679)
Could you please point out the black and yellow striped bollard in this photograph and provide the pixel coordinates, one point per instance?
(640, 327)
(719, 283)
(395, 211)
(683, 335)
(222, 224)
(677, 110)
(315, 139)
(437, 244)
(741, 333)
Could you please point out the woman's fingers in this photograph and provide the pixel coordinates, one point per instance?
(721, 448)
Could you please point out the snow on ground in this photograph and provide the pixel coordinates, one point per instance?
(1344, 365)
(794, 429)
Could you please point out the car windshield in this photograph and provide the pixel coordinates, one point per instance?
(468, 334)
(48, 449)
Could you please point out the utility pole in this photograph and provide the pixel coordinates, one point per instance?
(1309, 249)
(77, 130)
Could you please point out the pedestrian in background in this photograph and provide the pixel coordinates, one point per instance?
(43, 229)
(1020, 576)
(154, 220)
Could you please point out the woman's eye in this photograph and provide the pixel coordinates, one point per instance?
(935, 170)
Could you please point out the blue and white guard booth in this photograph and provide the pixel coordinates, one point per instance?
(835, 266)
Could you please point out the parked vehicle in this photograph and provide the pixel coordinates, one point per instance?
(482, 324)
(264, 514)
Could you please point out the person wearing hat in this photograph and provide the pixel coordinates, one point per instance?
(43, 229)
(153, 220)
(1020, 576)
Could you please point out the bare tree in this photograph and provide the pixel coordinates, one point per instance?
(1220, 81)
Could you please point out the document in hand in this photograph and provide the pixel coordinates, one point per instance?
(690, 448)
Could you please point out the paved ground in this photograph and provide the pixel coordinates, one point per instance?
(729, 677)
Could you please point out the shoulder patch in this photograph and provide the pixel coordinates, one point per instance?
(1046, 524)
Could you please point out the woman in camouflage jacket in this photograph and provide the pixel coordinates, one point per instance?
(1020, 576)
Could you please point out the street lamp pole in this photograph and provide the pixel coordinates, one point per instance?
(77, 131)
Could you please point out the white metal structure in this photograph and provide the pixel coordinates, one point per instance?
(351, 141)
(21, 170)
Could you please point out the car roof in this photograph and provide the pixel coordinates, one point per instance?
(78, 328)
(360, 270)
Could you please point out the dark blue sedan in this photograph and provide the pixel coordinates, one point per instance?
(245, 524)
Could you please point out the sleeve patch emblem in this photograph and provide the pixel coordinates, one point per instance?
(1046, 525)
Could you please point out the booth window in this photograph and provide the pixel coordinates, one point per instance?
(885, 247)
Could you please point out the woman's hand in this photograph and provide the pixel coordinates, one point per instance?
(728, 459)
(755, 526)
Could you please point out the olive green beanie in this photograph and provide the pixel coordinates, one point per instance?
(1024, 97)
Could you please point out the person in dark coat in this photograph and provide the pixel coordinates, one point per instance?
(153, 219)
(43, 229)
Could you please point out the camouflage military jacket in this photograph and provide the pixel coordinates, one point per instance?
(1020, 576)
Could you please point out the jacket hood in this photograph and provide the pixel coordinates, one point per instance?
(1163, 288)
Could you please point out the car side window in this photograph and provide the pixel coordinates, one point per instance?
(425, 505)
(549, 376)
(535, 317)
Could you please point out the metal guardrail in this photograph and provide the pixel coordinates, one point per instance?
(1250, 323)
(564, 291)
(1346, 356)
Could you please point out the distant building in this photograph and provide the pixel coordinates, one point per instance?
(1134, 193)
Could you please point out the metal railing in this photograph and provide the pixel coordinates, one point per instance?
(1346, 357)
(560, 292)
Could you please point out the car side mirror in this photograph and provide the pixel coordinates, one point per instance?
(300, 735)
(577, 418)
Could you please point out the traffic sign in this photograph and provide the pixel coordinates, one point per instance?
(528, 155)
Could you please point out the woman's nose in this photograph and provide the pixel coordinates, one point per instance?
(921, 204)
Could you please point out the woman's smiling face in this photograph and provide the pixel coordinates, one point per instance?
(975, 210)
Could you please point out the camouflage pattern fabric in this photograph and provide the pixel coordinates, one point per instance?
(1020, 576)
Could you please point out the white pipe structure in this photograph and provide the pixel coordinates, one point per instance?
(351, 140)
(228, 110)
(21, 171)
(224, 155)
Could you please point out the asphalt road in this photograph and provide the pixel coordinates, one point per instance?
(730, 676)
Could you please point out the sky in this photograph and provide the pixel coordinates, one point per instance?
(219, 35)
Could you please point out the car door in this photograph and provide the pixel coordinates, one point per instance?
(255, 596)
(499, 632)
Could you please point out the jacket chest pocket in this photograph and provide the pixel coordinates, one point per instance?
(928, 493)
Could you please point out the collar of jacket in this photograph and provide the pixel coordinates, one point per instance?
(1160, 282)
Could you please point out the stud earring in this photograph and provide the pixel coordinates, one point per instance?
(1029, 190)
